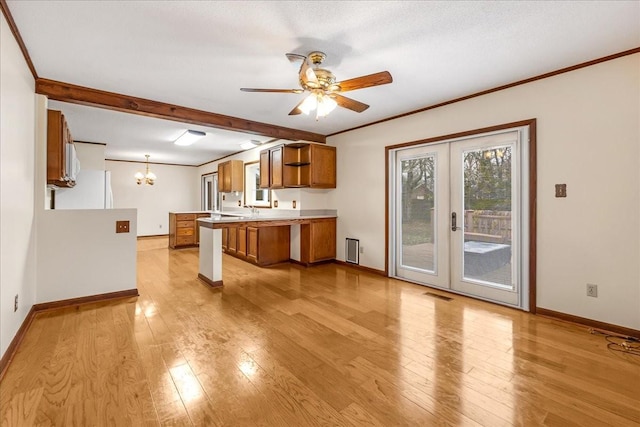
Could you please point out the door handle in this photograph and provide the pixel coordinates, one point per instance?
(454, 221)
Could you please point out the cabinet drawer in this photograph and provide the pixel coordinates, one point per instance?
(184, 224)
(184, 231)
(185, 240)
(185, 217)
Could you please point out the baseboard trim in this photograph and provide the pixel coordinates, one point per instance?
(606, 327)
(362, 267)
(53, 305)
(151, 236)
(311, 264)
(209, 282)
(15, 343)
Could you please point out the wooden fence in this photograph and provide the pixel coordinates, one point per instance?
(488, 226)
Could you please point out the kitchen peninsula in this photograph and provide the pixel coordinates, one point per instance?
(263, 241)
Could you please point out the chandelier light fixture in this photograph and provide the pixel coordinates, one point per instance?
(148, 177)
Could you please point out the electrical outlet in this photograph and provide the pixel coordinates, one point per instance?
(294, 204)
(15, 304)
(592, 290)
(239, 202)
(160, 226)
(361, 249)
(275, 203)
(122, 226)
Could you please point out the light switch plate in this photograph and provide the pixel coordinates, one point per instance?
(561, 190)
(122, 226)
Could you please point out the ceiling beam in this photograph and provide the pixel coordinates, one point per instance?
(74, 94)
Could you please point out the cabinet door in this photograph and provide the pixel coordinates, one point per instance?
(226, 177)
(56, 136)
(233, 240)
(318, 241)
(221, 177)
(225, 239)
(252, 244)
(275, 163)
(323, 166)
(236, 176)
(265, 180)
(242, 241)
(273, 244)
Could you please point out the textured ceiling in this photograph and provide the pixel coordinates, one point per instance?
(199, 53)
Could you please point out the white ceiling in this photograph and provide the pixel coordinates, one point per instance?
(199, 53)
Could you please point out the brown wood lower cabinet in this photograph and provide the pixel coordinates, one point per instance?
(270, 244)
(259, 245)
(184, 230)
(318, 241)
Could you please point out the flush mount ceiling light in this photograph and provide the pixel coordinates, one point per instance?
(250, 144)
(148, 177)
(189, 137)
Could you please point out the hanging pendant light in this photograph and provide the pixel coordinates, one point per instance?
(148, 177)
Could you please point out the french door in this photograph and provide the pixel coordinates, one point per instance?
(457, 215)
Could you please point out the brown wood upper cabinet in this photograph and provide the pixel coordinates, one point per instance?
(298, 165)
(58, 136)
(271, 167)
(231, 176)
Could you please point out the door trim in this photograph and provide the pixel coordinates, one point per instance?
(531, 123)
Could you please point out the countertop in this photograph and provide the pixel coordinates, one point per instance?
(260, 221)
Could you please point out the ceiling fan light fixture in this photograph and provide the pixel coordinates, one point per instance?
(326, 104)
(309, 104)
(189, 137)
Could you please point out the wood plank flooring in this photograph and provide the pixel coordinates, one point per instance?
(295, 346)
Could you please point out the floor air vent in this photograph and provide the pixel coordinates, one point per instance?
(442, 297)
(353, 251)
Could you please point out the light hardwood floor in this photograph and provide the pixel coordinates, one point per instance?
(295, 346)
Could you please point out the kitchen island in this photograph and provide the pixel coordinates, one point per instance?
(264, 241)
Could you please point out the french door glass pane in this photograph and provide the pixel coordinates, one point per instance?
(418, 180)
(488, 216)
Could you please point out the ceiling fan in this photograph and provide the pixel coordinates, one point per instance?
(324, 91)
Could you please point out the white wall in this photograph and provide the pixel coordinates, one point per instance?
(174, 190)
(91, 156)
(17, 187)
(80, 254)
(588, 124)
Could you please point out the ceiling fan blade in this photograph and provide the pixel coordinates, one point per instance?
(293, 57)
(296, 110)
(376, 79)
(247, 89)
(349, 103)
(307, 75)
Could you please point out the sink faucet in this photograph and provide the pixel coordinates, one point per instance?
(254, 211)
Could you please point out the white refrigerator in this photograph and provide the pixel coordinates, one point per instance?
(92, 191)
